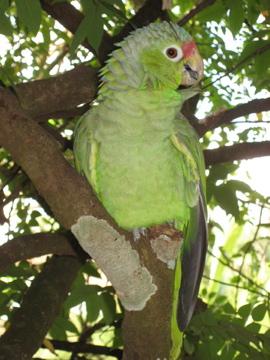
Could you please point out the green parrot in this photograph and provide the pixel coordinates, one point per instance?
(142, 157)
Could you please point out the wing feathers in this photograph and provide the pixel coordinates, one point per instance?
(193, 259)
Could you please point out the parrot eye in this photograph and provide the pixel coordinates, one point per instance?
(173, 53)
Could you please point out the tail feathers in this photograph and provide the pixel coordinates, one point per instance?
(193, 259)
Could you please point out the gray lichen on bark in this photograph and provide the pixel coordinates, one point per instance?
(166, 249)
(117, 259)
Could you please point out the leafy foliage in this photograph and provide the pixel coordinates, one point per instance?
(233, 38)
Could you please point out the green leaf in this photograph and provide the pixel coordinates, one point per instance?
(91, 28)
(236, 15)
(212, 13)
(4, 4)
(252, 47)
(226, 198)
(29, 12)
(79, 36)
(253, 327)
(94, 28)
(60, 326)
(244, 311)
(108, 307)
(188, 347)
(5, 25)
(262, 64)
(92, 304)
(258, 313)
(252, 11)
(90, 269)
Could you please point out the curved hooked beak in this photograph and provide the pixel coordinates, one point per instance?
(192, 69)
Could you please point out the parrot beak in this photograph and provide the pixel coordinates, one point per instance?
(192, 69)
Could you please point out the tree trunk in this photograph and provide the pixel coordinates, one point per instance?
(147, 333)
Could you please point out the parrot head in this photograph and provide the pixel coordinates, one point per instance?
(172, 60)
(158, 56)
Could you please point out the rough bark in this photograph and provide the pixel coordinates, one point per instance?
(28, 246)
(59, 95)
(147, 333)
(66, 192)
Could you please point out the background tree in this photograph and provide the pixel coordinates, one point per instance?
(50, 54)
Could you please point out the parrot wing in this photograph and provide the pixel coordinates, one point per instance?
(193, 251)
(86, 148)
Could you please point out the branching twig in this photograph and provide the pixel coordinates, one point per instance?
(200, 7)
(67, 15)
(249, 57)
(227, 263)
(81, 347)
(234, 285)
(246, 252)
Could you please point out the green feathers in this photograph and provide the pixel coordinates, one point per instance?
(141, 156)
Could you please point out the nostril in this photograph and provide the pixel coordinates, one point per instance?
(193, 74)
(187, 67)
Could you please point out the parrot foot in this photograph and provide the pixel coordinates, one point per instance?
(138, 232)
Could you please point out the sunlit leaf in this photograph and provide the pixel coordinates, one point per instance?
(29, 12)
(259, 312)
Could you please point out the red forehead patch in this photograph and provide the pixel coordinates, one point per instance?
(189, 49)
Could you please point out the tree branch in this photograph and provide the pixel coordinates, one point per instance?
(226, 116)
(200, 7)
(40, 157)
(67, 15)
(28, 246)
(71, 18)
(57, 95)
(150, 11)
(249, 57)
(81, 347)
(237, 152)
(33, 319)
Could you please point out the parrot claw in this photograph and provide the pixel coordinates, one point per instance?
(138, 232)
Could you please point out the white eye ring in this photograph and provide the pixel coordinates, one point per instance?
(173, 53)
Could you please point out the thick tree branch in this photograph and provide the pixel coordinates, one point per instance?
(226, 116)
(200, 7)
(40, 306)
(28, 246)
(57, 95)
(237, 152)
(40, 157)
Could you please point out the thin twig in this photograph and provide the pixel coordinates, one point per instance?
(233, 285)
(200, 7)
(246, 252)
(256, 52)
(227, 263)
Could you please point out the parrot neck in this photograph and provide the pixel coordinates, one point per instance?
(120, 75)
